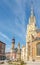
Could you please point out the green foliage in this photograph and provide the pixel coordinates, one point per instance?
(16, 63)
(22, 62)
(9, 62)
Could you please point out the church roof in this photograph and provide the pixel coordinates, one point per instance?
(38, 30)
(15, 50)
(37, 38)
(2, 42)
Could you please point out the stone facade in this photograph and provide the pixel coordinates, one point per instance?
(15, 53)
(23, 52)
(32, 39)
(13, 50)
(18, 56)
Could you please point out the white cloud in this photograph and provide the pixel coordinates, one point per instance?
(18, 26)
(4, 36)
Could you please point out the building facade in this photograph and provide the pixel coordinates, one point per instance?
(15, 53)
(18, 56)
(2, 50)
(23, 52)
(7, 54)
(32, 39)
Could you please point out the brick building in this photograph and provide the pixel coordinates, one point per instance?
(2, 50)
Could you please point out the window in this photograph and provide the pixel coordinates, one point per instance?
(3, 46)
(38, 49)
(0, 51)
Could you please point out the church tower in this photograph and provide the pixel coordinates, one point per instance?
(18, 52)
(12, 48)
(13, 43)
(31, 27)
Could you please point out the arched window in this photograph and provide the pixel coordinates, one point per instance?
(38, 49)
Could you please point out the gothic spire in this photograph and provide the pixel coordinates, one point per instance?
(32, 10)
(32, 19)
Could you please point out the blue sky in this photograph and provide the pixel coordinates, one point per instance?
(14, 16)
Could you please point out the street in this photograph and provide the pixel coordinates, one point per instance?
(33, 63)
(5, 63)
(28, 63)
